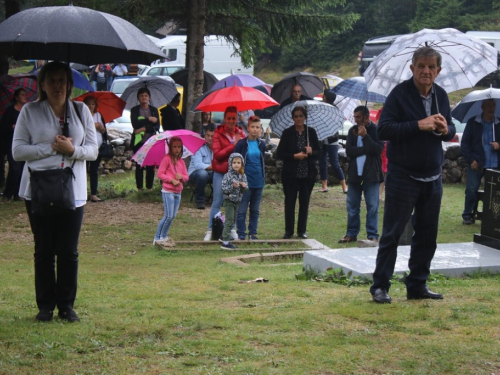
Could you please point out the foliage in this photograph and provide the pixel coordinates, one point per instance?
(332, 275)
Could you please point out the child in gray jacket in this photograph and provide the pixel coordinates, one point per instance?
(234, 183)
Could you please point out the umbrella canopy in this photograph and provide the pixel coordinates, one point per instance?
(331, 80)
(465, 60)
(325, 118)
(347, 106)
(238, 80)
(470, 105)
(79, 67)
(311, 84)
(70, 33)
(10, 83)
(355, 88)
(108, 104)
(155, 148)
(181, 77)
(243, 98)
(79, 80)
(162, 91)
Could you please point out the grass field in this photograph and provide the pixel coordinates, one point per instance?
(150, 311)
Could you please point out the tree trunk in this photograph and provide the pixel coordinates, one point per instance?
(194, 60)
(11, 7)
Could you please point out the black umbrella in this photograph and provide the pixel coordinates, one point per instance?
(181, 77)
(70, 33)
(311, 84)
(162, 91)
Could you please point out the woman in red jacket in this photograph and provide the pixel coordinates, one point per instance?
(225, 138)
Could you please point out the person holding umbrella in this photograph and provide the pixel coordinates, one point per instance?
(144, 118)
(101, 133)
(480, 148)
(225, 138)
(38, 140)
(7, 126)
(295, 96)
(416, 119)
(299, 149)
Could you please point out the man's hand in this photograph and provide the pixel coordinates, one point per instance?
(361, 130)
(434, 123)
(474, 165)
(495, 145)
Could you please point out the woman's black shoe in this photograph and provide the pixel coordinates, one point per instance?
(69, 315)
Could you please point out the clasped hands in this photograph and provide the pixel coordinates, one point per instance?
(304, 154)
(434, 123)
(63, 145)
(177, 180)
(237, 184)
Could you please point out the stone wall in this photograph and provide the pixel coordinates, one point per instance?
(454, 168)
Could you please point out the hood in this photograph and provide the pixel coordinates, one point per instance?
(232, 156)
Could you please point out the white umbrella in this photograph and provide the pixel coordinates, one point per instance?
(465, 60)
(325, 118)
(470, 105)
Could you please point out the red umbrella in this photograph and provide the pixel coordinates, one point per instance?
(108, 104)
(241, 97)
(10, 83)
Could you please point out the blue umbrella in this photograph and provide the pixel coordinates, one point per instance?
(355, 88)
(79, 80)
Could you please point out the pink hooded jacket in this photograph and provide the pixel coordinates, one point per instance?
(167, 171)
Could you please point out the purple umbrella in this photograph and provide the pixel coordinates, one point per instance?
(238, 80)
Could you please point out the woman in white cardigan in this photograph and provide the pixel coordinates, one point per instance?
(39, 140)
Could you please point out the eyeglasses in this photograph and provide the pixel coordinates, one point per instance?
(230, 118)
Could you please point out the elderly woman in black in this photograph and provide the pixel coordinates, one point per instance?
(299, 149)
(144, 118)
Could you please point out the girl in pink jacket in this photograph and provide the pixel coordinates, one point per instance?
(172, 172)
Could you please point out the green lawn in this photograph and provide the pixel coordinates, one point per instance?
(150, 311)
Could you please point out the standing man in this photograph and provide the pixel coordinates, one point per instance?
(415, 120)
(171, 118)
(200, 168)
(364, 176)
(480, 148)
(120, 70)
(295, 96)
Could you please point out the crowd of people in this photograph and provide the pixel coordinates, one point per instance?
(55, 133)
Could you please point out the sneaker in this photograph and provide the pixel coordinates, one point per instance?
(208, 235)
(347, 239)
(228, 246)
(234, 235)
(253, 237)
(167, 242)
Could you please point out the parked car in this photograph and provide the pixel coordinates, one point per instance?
(372, 48)
(457, 139)
(159, 70)
(122, 123)
(120, 84)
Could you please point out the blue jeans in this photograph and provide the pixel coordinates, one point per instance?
(331, 151)
(370, 190)
(251, 198)
(217, 198)
(171, 202)
(404, 195)
(471, 187)
(200, 178)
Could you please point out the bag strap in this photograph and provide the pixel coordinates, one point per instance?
(80, 118)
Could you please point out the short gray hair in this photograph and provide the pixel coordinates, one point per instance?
(426, 52)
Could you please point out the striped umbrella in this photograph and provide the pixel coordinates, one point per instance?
(10, 83)
(355, 88)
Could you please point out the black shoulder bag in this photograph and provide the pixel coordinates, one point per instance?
(52, 190)
(106, 151)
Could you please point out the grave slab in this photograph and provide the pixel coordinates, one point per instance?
(451, 259)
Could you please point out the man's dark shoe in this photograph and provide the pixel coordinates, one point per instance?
(200, 205)
(287, 236)
(45, 315)
(468, 221)
(381, 296)
(69, 315)
(422, 293)
(347, 239)
(302, 235)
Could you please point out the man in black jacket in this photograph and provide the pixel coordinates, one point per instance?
(364, 176)
(171, 118)
(295, 95)
(416, 119)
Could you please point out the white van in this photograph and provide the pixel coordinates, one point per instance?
(220, 57)
(490, 37)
